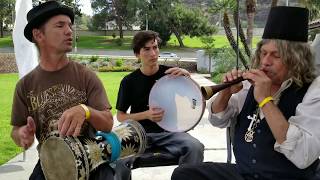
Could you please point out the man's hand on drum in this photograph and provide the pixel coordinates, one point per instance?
(176, 71)
(230, 76)
(155, 114)
(26, 133)
(71, 121)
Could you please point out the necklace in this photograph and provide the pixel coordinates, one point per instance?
(255, 120)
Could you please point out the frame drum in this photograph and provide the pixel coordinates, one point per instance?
(182, 102)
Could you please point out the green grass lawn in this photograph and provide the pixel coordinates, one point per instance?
(6, 42)
(107, 42)
(195, 42)
(8, 149)
(103, 42)
(111, 82)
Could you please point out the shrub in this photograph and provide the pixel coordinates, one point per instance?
(84, 62)
(119, 42)
(224, 60)
(114, 35)
(115, 68)
(106, 59)
(94, 58)
(119, 62)
(95, 65)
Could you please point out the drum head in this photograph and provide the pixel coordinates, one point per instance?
(182, 101)
(55, 156)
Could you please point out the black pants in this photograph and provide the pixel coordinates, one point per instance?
(207, 171)
(102, 172)
(218, 171)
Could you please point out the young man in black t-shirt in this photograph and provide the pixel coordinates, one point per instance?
(134, 94)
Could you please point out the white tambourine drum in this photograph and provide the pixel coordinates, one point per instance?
(182, 102)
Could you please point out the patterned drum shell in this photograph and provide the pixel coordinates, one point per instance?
(132, 137)
(74, 158)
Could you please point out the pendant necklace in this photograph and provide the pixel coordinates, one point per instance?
(255, 120)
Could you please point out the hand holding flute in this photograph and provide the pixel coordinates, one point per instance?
(232, 84)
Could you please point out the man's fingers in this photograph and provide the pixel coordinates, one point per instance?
(64, 127)
(77, 130)
(31, 125)
(71, 128)
(170, 70)
(60, 122)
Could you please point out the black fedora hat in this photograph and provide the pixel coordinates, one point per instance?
(41, 13)
(287, 23)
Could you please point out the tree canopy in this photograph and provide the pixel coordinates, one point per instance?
(6, 14)
(172, 16)
(122, 12)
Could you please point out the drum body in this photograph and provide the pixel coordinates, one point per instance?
(73, 158)
(182, 101)
(132, 137)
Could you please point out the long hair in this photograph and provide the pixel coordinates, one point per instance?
(296, 56)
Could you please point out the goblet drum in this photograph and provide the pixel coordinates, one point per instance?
(73, 158)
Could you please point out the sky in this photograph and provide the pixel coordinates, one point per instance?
(86, 7)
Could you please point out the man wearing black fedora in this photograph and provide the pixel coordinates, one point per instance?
(59, 97)
(274, 115)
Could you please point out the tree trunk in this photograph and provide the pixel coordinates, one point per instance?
(251, 10)
(232, 42)
(241, 34)
(1, 29)
(177, 34)
(120, 29)
(118, 18)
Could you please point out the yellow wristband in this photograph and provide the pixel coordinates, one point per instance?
(265, 101)
(86, 109)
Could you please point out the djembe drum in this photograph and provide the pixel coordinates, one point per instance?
(181, 99)
(73, 158)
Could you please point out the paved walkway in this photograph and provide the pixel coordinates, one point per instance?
(111, 52)
(213, 138)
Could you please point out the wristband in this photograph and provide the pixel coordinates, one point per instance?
(265, 101)
(86, 109)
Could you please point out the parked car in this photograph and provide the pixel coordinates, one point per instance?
(168, 55)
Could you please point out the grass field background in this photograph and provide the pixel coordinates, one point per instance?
(108, 42)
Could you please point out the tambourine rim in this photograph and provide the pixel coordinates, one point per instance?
(201, 96)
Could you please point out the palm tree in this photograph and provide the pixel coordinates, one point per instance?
(251, 10)
(242, 36)
(224, 6)
(313, 6)
(232, 42)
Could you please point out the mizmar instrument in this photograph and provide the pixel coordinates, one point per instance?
(209, 91)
